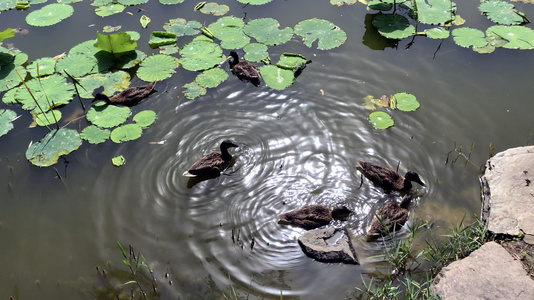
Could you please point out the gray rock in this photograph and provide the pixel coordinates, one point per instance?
(328, 244)
(488, 273)
(508, 185)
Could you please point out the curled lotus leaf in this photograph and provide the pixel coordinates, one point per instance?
(157, 67)
(115, 42)
(435, 12)
(57, 142)
(106, 116)
(200, 55)
(193, 90)
(50, 92)
(503, 13)
(118, 161)
(327, 34)
(256, 52)
(393, 26)
(512, 37)
(211, 78)
(145, 118)
(266, 31)
(381, 120)
(182, 27)
(95, 135)
(467, 37)
(127, 132)
(277, 78)
(6, 118)
(49, 15)
(159, 38)
(8, 33)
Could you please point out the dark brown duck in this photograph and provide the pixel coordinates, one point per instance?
(129, 96)
(212, 164)
(388, 179)
(390, 217)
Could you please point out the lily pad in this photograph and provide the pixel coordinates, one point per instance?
(211, 78)
(437, 33)
(193, 90)
(342, 2)
(8, 33)
(47, 118)
(124, 133)
(435, 12)
(200, 55)
(170, 2)
(95, 135)
(380, 5)
(157, 67)
(266, 31)
(214, 9)
(9, 97)
(9, 77)
(329, 36)
(8, 4)
(6, 118)
(277, 78)
(381, 120)
(514, 37)
(112, 82)
(144, 21)
(182, 27)
(467, 37)
(230, 31)
(256, 52)
(47, 66)
(406, 101)
(393, 26)
(145, 118)
(501, 12)
(159, 38)
(132, 2)
(106, 116)
(49, 15)
(130, 59)
(254, 2)
(55, 143)
(53, 88)
(118, 161)
(115, 42)
(109, 10)
(77, 65)
(292, 61)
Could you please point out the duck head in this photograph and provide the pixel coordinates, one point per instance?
(413, 177)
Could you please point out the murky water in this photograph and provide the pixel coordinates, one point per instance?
(297, 146)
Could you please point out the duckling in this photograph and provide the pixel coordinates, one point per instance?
(212, 164)
(129, 96)
(313, 216)
(244, 70)
(393, 215)
(389, 179)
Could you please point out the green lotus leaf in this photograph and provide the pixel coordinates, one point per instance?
(111, 81)
(8, 33)
(435, 12)
(110, 9)
(132, 2)
(292, 61)
(49, 15)
(47, 118)
(9, 77)
(211, 78)
(437, 33)
(118, 161)
(342, 2)
(277, 78)
(115, 42)
(501, 12)
(47, 66)
(12, 56)
(106, 116)
(101, 2)
(84, 47)
(255, 52)
(53, 88)
(254, 2)
(266, 31)
(170, 2)
(157, 67)
(513, 37)
(161, 38)
(406, 101)
(329, 35)
(77, 65)
(381, 120)
(393, 26)
(214, 9)
(95, 135)
(230, 31)
(144, 21)
(193, 90)
(57, 142)
(124, 133)
(8, 4)
(9, 97)
(200, 55)
(467, 37)
(182, 27)
(379, 5)
(58, 1)
(145, 118)
(130, 59)
(168, 50)
(6, 118)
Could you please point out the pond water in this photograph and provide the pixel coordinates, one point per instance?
(298, 146)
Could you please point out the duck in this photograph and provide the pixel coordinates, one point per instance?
(314, 216)
(243, 69)
(212, 164)
(390, 217)
(389, 179)
(129, 96)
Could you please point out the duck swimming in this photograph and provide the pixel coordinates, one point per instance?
(243, 69)
(390, 217)
(313, 216)
(212, 164)
(129, 96)
(389, 179)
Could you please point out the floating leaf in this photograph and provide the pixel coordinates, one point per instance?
(381, 120)
(145, 118)
(77, 65)
(106, 116)
(115, 42)
(110, 9)
(327, 33)
(277, 78)
(380, 5)
(144, 21)
(49, 15)
(435, 12)
(193, 90)
(9, 97)
(157, 67)
(6, 118)
(47, 66)
(211, 78)
(292, 61)
(170, 2)
(56, 143)
(254, 2)
(182, 27)
(266, 31)
(160, 38)
(130, 59)
(406, 102)
(132, 2)
(95, 135)
(47, 118)
(467, 37)
(109, 29)
(9, 77)
(437, 33)
(515, 37)
(502, 12)
(230, 31)
(112, 82)
(214, 9)
(393, 26)
(8, 4)
(124, 133)
(256, 52)
(54, 87)
(342, 2)
(168, 49)
(118, 161)
(8, 33)
(200, 55)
